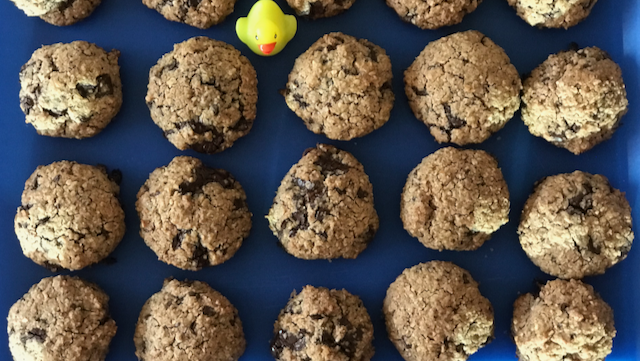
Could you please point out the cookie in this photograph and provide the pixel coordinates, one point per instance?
(203, 95)
(188, 320)
(199, 13)
(567, 320)
(70, 90)
(70, 12)
(324, 206)
(576, 225)
(316, 9)
(61, 318)
(434, 311)
(192, 216)
(433, 14)
(575, 99)
(553, 14)
(319, 324)
(70, 215)
(463, 87)
(341, 87)
(455, 199)
(58, 12)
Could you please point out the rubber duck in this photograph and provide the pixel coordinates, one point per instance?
(266, 30)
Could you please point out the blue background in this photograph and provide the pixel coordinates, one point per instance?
(260, 277)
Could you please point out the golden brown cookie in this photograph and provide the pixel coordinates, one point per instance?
(433, 14)
(199, 13)
(553, 14)
(316, 9)
(575, 99)
(193, 216)
(455, 199)
(463, 87)
(324, 206)
(576, 225)
(58, 12)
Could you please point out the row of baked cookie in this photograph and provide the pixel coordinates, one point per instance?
(192, 216)
(433, 310)
(426, 15)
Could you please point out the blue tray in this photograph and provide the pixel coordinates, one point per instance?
(260, 277)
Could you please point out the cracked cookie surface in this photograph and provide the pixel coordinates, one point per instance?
(61, 318)
(575, 99)
(319, 324)
(188, 320)
(203, 95)
(192, 216)
(315, 9)
(70, 90)
(58, 12)
(567, 320)
(434, 311)
(433, 14)
(576, 225)
(341, 87)
(324, 206)
(455, 199)
(463, 87)
(70, 215)
(199, 13)
(553, 14)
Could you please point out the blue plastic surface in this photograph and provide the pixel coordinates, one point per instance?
(260, 277)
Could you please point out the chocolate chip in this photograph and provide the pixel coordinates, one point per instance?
(362, 193)
(115, 176)
(177, 240)
(25, 207)
(103, 87)
(200, 256)
(321, 213)
(373, 52)
(454, 121)
(65, 5)
(203, 176)
(386, 87)
(299, 99)
(581, 203)
(50, 266)
(242, 125)
(592, 247)
(316, 10)
(420, 92)
(106, 318)
(239, 203)
(302, 223)
(284, 339)
(208, 311)
(465, 279)
(624, 251)
(331, 47)
(194, 3)
(56, 178)
(56, 114)
(316, 317)
(43, 221)
(573, 46)
(368, 235)
(328, 164)
(37, 334)
(27, 103)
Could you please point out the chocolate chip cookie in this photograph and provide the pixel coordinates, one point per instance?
(61, 318)
(433, 14)
(70, 215)
(575, 99)
(567, 320)
(58, 12)
(319, 324)
(463, 87)
(192, 216)
(576, 225)
(455, 199)
(324, 206)
(70, 90)
(199, 13)
(188, 321)
(203, 95)
(434, 311)
(341, 87)
(553, 14)
(315, 9)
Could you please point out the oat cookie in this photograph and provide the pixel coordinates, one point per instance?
(203, 95)
(455, 199)
(575, 99)
(188, 320)
(324, 206)
(315, 9)
(576, 225)
(341, 87)
(433, 14)
(567, 320)
(199, 13)
(70, 215)
(553, 14)
(70, 90)
(319, 324)
(61, 318)
(192, 216)
(58, 12)
(434, 311)
(463, 87)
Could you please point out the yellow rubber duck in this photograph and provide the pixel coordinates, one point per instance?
(266, 30)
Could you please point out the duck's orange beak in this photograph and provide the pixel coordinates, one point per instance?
(267, 48)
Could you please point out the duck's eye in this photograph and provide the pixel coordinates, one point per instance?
(256, 37)
(275, 36)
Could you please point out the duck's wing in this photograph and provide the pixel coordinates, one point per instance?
(242, 26)
(291, 26)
